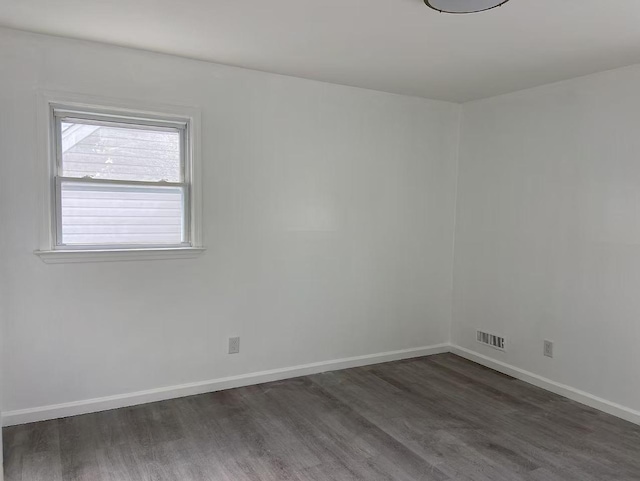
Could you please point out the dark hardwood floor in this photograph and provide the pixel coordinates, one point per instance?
(435, 418)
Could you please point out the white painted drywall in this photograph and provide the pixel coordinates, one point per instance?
(5, 209)
(548, 231)
(3, 288)
(328, 217)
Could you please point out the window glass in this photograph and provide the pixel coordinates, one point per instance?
(111, 151)
(102, 214)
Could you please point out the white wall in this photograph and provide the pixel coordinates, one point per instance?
(328, 216)
(548, 231)
(5, 209)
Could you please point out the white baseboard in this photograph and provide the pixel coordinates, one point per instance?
(54, 411)
(555, 387)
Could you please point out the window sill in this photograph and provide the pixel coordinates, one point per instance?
(116, 255)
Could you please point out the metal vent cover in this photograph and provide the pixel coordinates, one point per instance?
(497, 342)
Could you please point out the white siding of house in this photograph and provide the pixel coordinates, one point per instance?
(107, 214)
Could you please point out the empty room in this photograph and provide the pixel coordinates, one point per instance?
(339, 240)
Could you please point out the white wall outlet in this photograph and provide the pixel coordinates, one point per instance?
(548, 348)
(234, 345)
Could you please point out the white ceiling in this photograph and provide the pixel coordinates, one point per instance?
(391, 45)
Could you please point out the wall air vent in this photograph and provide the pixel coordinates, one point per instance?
(491, 340)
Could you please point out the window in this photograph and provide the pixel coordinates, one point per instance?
(120, 182)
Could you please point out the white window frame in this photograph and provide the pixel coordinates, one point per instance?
(56, 107)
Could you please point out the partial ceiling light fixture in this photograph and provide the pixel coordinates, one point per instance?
(464, 6)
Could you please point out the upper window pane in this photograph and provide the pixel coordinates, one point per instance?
(116, 152)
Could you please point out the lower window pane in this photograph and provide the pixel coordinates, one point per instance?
(108, 214)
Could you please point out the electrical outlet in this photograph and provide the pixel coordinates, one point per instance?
(234, 345)
(548, 348)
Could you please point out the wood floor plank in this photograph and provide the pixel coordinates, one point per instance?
(438, 418)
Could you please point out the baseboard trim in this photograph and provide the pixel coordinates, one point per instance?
(582, 397)
(55, 411)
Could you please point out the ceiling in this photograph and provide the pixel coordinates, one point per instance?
(391, 45)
